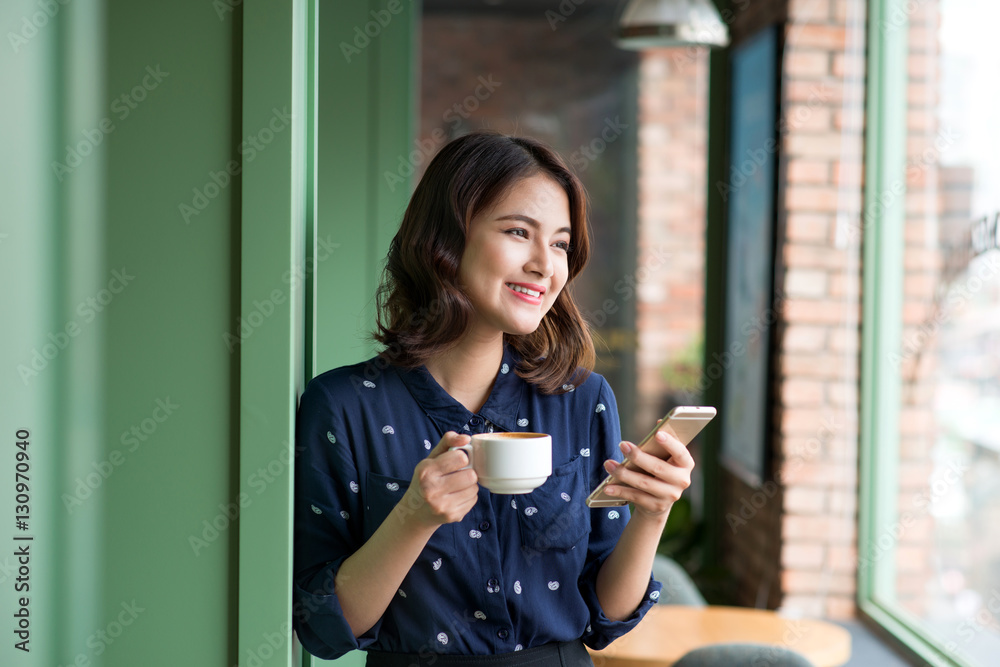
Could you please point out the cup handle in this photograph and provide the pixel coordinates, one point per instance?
(468, 454)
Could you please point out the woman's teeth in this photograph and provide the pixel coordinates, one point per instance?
(524, 290)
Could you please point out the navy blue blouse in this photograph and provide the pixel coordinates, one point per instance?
(517, 572)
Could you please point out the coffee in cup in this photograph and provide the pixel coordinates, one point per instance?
(510, 463)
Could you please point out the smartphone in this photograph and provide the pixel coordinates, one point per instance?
(683, 422)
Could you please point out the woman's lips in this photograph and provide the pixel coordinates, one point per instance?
(525, 293)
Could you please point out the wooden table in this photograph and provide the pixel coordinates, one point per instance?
(669, 631)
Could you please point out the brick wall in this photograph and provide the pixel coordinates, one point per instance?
(816, 370)
(672, 152)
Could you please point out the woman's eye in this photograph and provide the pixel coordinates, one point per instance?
(517, 231)
(563, 245)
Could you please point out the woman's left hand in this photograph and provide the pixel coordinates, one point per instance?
(660, 475)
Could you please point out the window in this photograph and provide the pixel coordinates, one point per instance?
(929, 554)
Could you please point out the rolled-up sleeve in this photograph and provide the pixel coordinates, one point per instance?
(607, 524)
(328, 525)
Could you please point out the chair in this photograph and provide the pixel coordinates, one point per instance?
(678, 588)
(743, 655)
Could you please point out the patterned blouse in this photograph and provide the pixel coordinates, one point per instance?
(518, 571)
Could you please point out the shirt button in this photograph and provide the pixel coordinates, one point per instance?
(475, 421)
(493, 583)
(502, 634)
(485, 525)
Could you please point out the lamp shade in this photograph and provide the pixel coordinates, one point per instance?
(655, 23)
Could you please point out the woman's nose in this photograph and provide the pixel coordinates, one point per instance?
(540, 261)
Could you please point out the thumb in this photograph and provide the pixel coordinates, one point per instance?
(449, 440)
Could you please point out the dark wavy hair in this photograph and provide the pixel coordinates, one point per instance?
(421, 308)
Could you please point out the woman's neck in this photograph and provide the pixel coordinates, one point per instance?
(468, 370)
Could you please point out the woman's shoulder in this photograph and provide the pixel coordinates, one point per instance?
(346, 380)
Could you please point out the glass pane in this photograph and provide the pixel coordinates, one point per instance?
(946, 541)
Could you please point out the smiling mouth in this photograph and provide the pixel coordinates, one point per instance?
(523, 290)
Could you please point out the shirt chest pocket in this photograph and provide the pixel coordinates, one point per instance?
(553, 517)
(382, 495)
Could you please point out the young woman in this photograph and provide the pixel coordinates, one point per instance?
(398, 550)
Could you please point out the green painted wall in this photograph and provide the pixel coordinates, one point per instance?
(133, 417)
(129, 266)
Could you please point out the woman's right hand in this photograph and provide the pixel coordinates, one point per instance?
(442, 490)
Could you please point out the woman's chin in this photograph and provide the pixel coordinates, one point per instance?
(522, 329)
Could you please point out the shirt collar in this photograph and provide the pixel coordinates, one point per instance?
(500, 408)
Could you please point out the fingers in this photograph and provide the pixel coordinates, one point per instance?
(669, 483)
(451, 459)
(673, 449)
(458, 503)
(447, 441)
(665, 448)
(650, 481)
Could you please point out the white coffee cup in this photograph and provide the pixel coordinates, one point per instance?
(510, 462)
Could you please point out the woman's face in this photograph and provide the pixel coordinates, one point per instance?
(515, 262)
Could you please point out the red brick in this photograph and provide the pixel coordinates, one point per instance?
(808, 118)
(801, 170)
(844, 11)
(843, 502)
(813, 146)
(824, 473)
(802, 393)
(811, 198)
(922, 39)
(816, 92)
(805, 364)
(849, 65)
(842, 558)
(804, 581)
(809, 11)
(921, 65)
(849, 173)
(807, 63)
(845, 339)
(814, 257)
(807, 227)
(922, 259)
(850, 121)
(807, 35)
(821, 312)
(922, 95)
(804, 338)
(921, 120)
(802, 555)
(823, 423)
(806, 282)
(805, 500)
(844, 394)
(843, 285)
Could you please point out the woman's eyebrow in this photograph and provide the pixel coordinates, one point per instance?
(531, 221)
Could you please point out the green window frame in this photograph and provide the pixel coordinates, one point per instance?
(882, 285)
